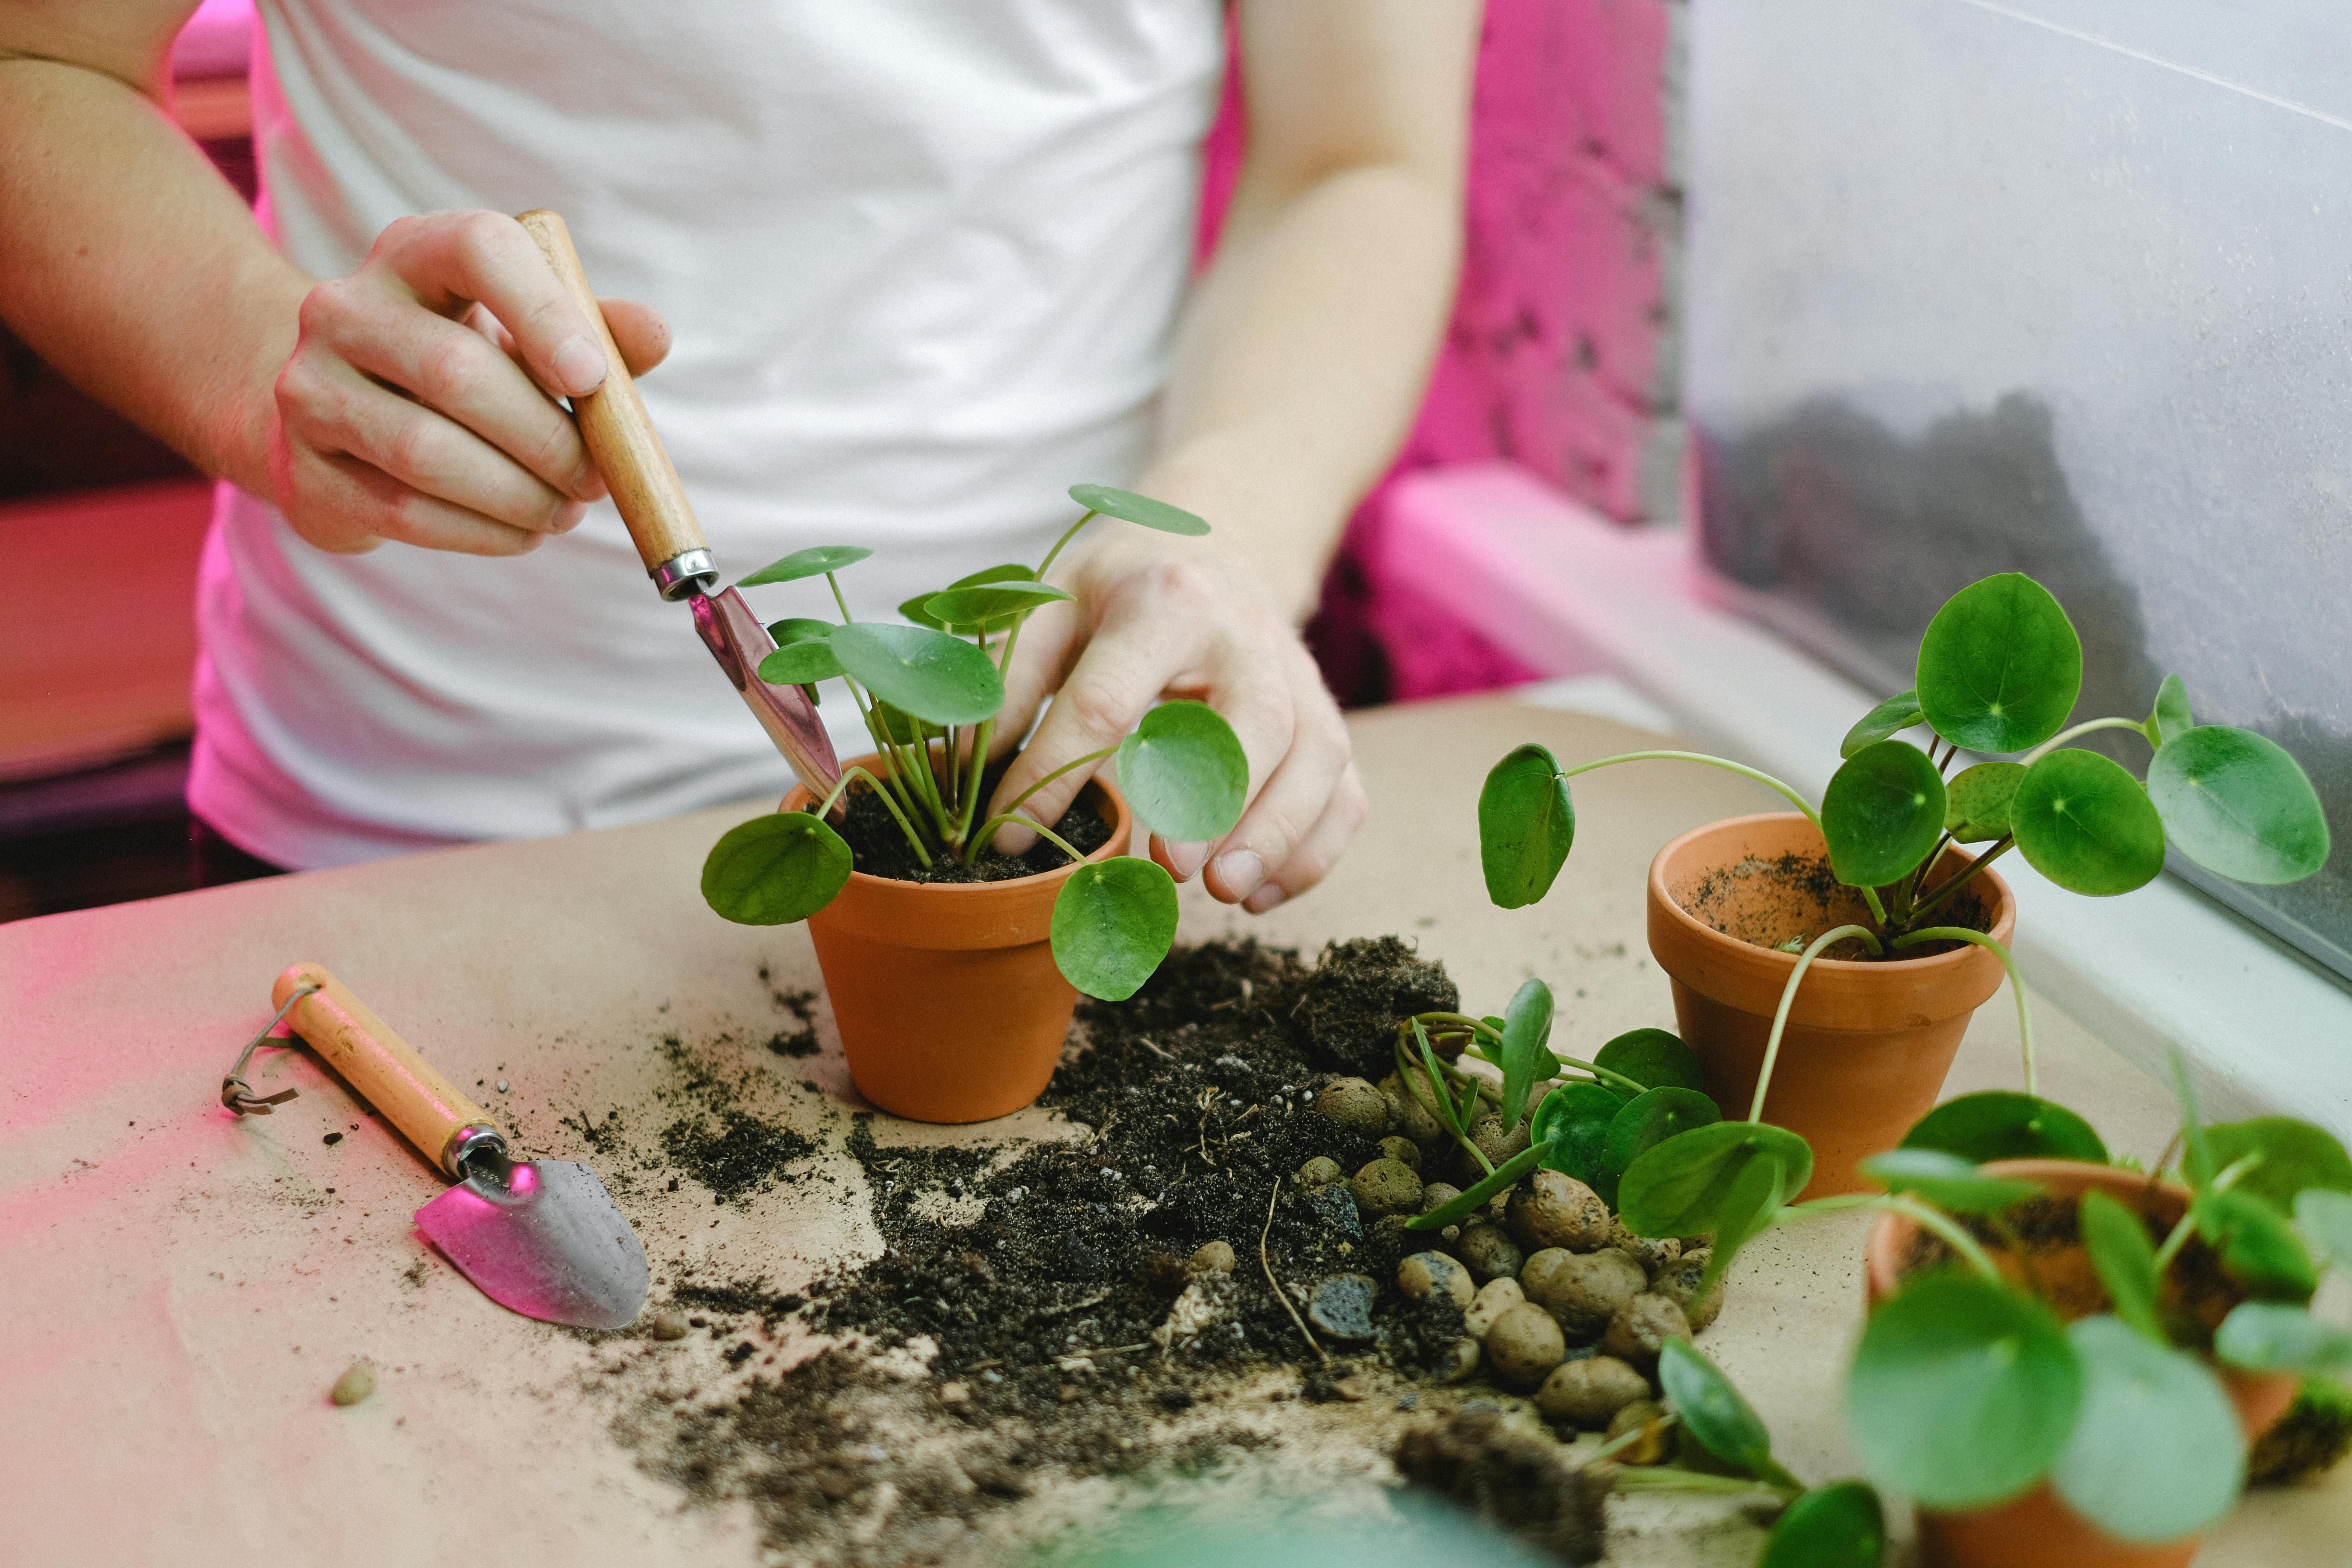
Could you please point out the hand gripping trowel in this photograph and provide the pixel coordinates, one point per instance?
(542, 1236)
(636, 468)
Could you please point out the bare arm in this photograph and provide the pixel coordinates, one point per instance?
(402, 402)
(1301, 362)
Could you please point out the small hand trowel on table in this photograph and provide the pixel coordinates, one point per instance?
(620, 437)
(542, 1236)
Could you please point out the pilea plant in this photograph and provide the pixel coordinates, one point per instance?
(1999, 671)
(928, 694)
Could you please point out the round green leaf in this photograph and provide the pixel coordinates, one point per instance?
(1976, 807)
(813, 562)
(776, 869)
(1646, 1120)
(1836, 1526)
(1890, 717)
(798, 628)
(1012, 572)
(989, 605)
(2116, 1240)
(2000, 666)
(1712, 1410)
(1882, 814)
(1948, 1181)
(2235, 803)
(937, 678)
(1749, 1208)
(2169, 719)
(2268, 1336)
(1184, 773)
(1526, 825)
(1134, 507)
(2156, 1453)
(2294, 1155)
(1653, 1059)
(2325, 1219)
(1113, 921)
(2086, 825)
(1573, 1119)
(800, 663)
(918, 610)
(1963, 1393)
(2000, 1124)
(1683, 1186)
(2258, 1247)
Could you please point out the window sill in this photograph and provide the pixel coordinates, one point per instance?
(1576, 596)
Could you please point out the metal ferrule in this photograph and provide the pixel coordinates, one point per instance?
(685, 574)
(473, 1139)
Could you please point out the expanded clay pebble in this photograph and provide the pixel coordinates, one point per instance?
(1647, 1418)
(1386, 1187)
(1435, 1195)
(1426, 1276)
(1489, 1251)
(1590, 1391)
(1212, 1257)
(1403, 1150)
(1642, 1328)
(1553, 1209)
(1678, 1283)
(1584, 1289)
(1522, 1345)
(1320, 1172)
(1653, 1253)
(670, 1326)
(356, 1383)
(1494, 1299)
(1356, 1106)
(1409, 1116)
(1495, 1142)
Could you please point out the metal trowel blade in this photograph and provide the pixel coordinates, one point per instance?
(547, 1241)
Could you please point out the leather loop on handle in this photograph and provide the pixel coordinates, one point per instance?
(613, 422)
(384, 1070)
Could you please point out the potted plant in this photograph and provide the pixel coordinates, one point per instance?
(1910, 928)
(954, 970)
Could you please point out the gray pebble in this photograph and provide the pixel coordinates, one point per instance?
(1342, 1306)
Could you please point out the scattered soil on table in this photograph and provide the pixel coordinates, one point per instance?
(1769, 903)
(1036, 1319)
(714, 1138)
(802, 1005)
(2196, 1297)
(879, 849)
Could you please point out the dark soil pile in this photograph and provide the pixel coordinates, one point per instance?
(879, 849)
(1039, 1313)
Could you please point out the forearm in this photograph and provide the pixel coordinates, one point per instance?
(1301, 364)
(128, 263)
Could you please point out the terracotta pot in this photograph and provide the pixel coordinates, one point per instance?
(1867, 1045)
(2038, 1530)
(948, 1002)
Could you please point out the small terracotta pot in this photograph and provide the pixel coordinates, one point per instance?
(950, 1005)
(1867, 1045)
(2038, 1530)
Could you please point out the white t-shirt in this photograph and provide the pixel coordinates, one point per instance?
(921, 259)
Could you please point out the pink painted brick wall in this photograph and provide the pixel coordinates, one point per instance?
(1559, 354)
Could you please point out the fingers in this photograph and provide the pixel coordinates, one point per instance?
(344, 504)
(1317, 853)
(1274, 851)
(453, 259)
(640, 332)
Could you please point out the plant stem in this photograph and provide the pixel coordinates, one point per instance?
(1788, 996)
(1929, 1218)
(1022, 799)
(914, 840)
(1618, 1079)
(2016, 986)
(2173, 1243)
(1442, 1104)
(834, 584)
(2053, 743)
(1951, 884)
(1069, 533)
(1766, 780)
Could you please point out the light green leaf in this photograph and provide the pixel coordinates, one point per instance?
(1962, 1392)
(800, 663)
(989, 605)
(813, 562)
(2000, 666)
(2000, 1124)
(1653, 1059)
(2169, 718)
(1890, 717)
(1527, 1032)
(2236, 804)
(937, 678)
(1749, 1208)
(1012, 572)
(2325, 1219)
(776, 869)
(2294, 1155)
(1526, 825)
(1712, 1410)
(1976, 808)
(1948, 1181)
(2156, 1453)
(1573, 1123)
(1184, 773)
(2267, 1336)
(1834, 1526)
(1643, 1123)
(2086, 825)
(2120, 1251)
(798, 628)
(1113, 923)
(2258, 1247)
(1683, 1186)
(1138, 509)
(1881, 813)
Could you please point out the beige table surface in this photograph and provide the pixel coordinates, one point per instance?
(179, 1287)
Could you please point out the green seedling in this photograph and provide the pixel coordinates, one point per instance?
(1999, 671)
(930, 694)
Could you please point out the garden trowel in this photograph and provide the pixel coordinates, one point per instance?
(542, 1236)
(638, 470)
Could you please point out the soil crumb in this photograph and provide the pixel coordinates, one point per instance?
(878, 844)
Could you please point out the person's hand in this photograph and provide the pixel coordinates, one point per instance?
(418, 405)
(1155, 617)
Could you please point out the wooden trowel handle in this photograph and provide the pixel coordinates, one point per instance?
(621, 438)
(386, 1070)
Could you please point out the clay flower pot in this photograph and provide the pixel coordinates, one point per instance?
(949, 1006)
(1867, 1045)
(2038, 1530)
